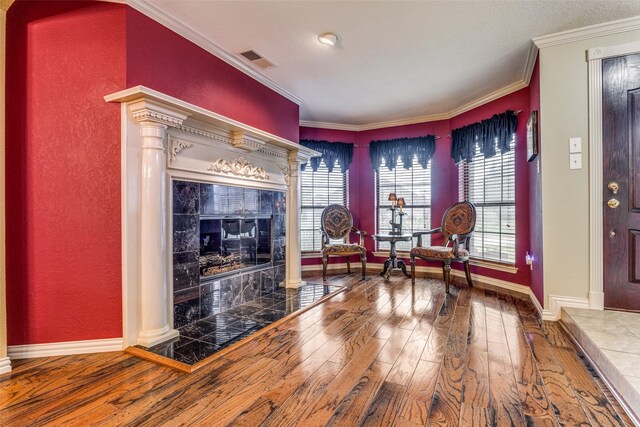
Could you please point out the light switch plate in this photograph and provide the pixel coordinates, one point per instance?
(575, 161)
(575, 145)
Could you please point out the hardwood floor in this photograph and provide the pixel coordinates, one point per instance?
(381, 353)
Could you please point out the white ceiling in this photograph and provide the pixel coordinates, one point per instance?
(395, 60)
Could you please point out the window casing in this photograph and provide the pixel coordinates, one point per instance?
(319, 189)
(490, 185)
(414, 185)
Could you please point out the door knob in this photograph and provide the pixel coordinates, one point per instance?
(614, 187)
(613, 203)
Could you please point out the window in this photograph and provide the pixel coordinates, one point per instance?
(414, 185)
(490, 185)
(319, 189)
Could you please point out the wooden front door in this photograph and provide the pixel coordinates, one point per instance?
(621, 179)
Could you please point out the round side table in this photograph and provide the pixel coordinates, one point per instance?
(393, 261)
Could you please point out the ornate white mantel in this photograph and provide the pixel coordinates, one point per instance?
(164, 138)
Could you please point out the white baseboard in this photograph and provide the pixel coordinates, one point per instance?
(498, 283)
(556, 302)
(5, 365)
(64, 348)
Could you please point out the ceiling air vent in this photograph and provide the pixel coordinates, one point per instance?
(257, 59)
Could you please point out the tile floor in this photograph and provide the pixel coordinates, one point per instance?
(201, 339)
(612, 341)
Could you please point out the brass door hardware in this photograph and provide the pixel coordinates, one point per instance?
(614, 187)
(613, 203)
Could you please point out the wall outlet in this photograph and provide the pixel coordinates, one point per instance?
(575, 145)
(528, 259)
(575, 161)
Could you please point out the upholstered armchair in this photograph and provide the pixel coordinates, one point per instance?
(458, 224)
(337, 223)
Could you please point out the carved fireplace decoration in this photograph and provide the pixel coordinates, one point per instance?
(166, 140)
(239, 167)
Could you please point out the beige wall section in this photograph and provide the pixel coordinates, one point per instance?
(4, 6)
(565, 192)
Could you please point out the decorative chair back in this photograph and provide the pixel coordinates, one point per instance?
(336, 221)
(459, 219)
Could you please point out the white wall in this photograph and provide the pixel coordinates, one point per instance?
(565, 192)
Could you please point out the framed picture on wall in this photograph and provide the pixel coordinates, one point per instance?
(532, 136)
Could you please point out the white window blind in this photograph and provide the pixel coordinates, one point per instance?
(490, 185)
(414, 185)
(319, 189)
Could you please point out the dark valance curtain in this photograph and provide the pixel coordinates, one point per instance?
(491, 135)
(331, 152)
(422, 147)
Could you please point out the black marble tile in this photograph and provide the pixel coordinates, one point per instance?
(197, 329)
(186, 197)
(221, 199)
(250, 287)
(223, 320)
(236, 199)
(267, 316)
(186, 307)
(267, 282)
(279, 202)
(185, 233)
(251, 201)
(166, 348)
(243, 311)
(186, 270)
(266, 202)
(224, 335)
(265, 302)
(281, 305)
(207, 199)
(194, 352)
(278, 273)
(210, 299)
(230, 292)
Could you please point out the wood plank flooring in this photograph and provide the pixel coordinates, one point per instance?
(381, 353)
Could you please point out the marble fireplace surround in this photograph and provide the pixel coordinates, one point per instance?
(166, 139)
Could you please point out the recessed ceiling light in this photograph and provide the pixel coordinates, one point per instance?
(329, 39)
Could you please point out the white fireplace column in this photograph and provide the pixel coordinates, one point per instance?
(154, 290)
(293, 277)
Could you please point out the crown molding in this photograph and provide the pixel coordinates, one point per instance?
(521, 84)
(598, 30)
(531, 63)
(327, 125)
(5, 5)
(153, 12)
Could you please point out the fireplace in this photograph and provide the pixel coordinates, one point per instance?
(226, 239)
(203, 213)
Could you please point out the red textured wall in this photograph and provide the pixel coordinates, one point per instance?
(516, 101)
(362, 176)
(63, 171)
(444, 175)
(162, 60)
(535, 194)
(63, 152)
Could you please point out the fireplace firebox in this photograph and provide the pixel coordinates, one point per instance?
(229, 244)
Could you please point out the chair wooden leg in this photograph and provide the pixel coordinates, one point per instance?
(444, 272)
(467, 273)
(325, 261)
(413, 270)
(447, 275)
(363, 259)
(348, 265)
